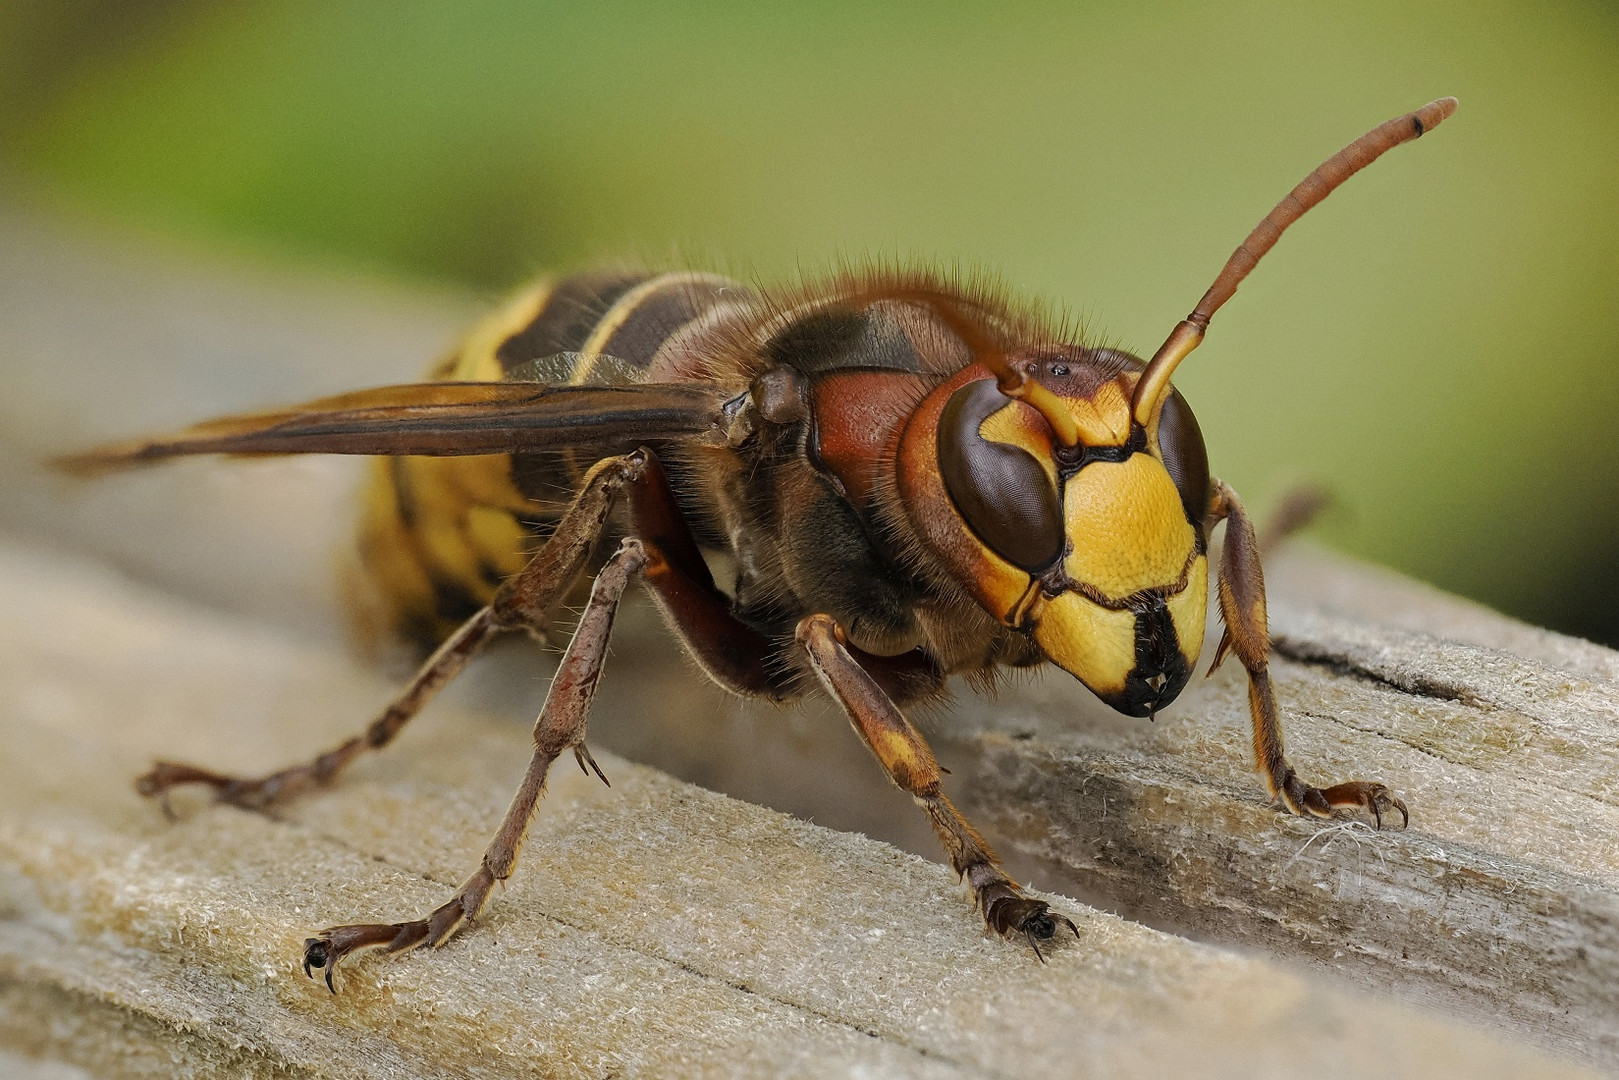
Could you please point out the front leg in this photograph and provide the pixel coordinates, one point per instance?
(900, 749)
(1242, 607)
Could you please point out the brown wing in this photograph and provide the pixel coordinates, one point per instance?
(436, 419)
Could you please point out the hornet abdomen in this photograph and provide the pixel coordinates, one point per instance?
(439, 534)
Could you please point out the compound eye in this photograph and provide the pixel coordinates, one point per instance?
(1001, 490)
(1180, 440)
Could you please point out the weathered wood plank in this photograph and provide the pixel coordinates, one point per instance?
(653, 929)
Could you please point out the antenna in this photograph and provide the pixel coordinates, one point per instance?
(1152, 389)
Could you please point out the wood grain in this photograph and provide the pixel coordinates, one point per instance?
(653, 929)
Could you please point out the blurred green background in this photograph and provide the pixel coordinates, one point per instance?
(1434, 344)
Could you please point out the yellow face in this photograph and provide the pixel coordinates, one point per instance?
(1129, 621)
(1094, 548)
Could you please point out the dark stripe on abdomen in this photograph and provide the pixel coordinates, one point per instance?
(648, 315)
(567, 317)
(615, 349)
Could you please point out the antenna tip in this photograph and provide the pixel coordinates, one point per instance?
(1430, 115)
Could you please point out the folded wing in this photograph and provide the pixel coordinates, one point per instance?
(437, 419)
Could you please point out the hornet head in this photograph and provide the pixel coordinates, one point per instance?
(1087, 533)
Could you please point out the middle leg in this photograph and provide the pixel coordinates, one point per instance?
(560, 727)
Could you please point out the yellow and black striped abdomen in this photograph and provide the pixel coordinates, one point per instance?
(438, 535)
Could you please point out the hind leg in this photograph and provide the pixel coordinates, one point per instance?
(522, 603)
